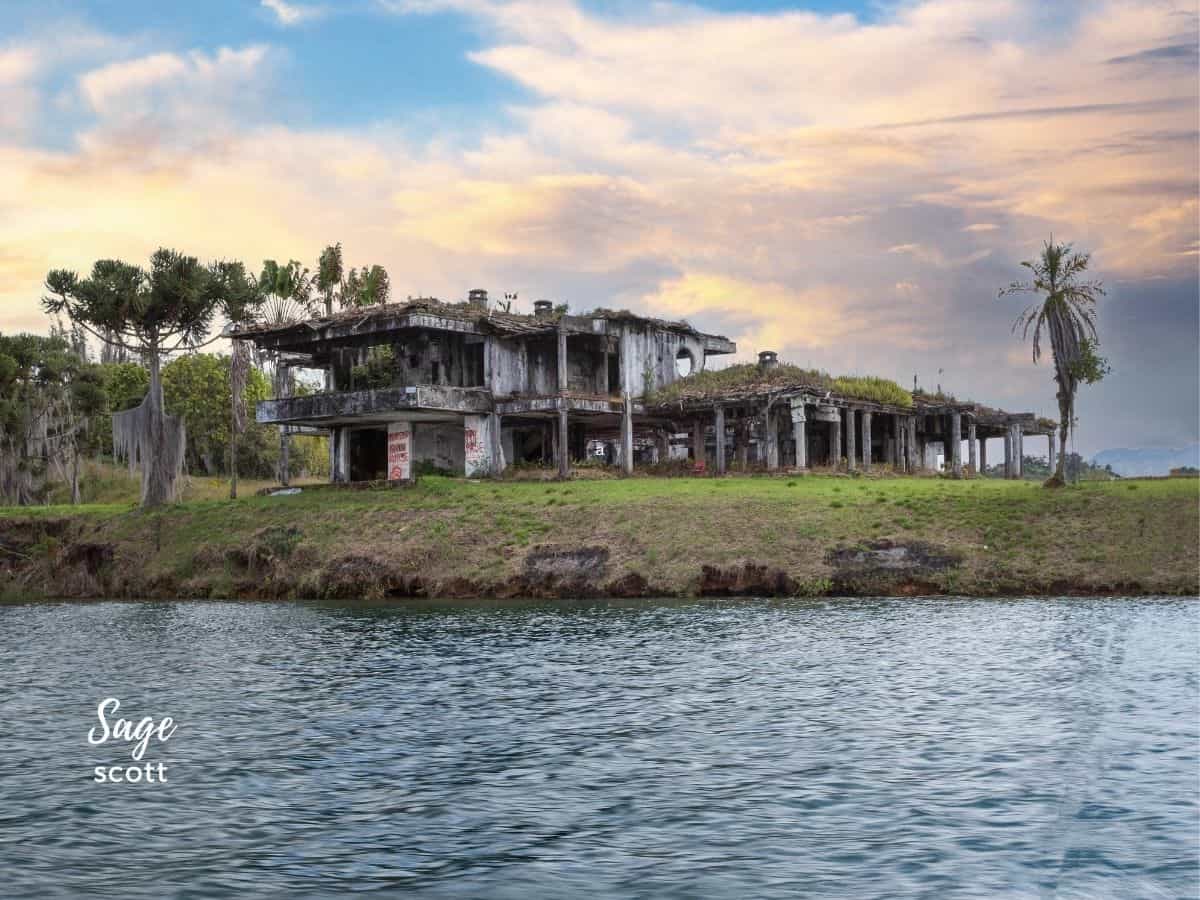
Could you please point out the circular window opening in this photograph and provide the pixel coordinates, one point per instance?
(685, 363)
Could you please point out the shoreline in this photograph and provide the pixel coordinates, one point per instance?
(452, 539)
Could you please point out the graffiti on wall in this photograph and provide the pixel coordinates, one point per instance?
(399, 451)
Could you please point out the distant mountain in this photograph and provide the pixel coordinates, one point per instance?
(1148, 461)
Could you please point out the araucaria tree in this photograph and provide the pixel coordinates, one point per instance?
(1066, 313)
(152, 313)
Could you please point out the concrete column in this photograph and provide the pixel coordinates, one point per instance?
(972, 459)
(851, 440)
(562, 360)
(772, 425)
(627, 435)
(698, 440)
(400, 451)
(799, 434)
(835, 441)
(956, 444)
(866, 440)
(982, 455)
(564, 443)
(479, 446)
(1008, 452)
(1050, 456)
(339, 439)
(1019, 441)
(720, 436)
(743, 445)
(499, 460)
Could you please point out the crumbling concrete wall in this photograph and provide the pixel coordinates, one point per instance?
(439, 443)
(509, 362)
(644, 348)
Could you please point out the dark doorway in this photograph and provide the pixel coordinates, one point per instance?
(368, 454)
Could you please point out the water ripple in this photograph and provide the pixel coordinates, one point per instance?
(908, 748)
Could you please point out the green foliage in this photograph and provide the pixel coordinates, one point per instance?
(49, 398)
(169, 306)
(648, 382)
(378, 372)
(748, 378)
(1089, 367)
(370, 287)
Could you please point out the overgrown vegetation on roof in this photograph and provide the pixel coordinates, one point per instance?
(747, 378)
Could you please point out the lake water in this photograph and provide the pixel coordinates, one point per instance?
(865, 748)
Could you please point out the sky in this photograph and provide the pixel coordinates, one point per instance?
(848, 184)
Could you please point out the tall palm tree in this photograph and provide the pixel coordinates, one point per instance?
(1066, 312)
(330, 274)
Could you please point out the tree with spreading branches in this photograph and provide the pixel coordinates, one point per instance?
(151, 313)
(1066, 314)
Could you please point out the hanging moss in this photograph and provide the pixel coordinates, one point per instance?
(133, 440)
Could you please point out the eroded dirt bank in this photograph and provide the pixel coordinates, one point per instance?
(397, 545)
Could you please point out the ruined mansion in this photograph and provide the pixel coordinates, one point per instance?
(472, 389)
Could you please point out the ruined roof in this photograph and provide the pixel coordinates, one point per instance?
(513, 323)
(749, 380)
(486, 319)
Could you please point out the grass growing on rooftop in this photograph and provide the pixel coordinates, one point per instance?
(747, 376)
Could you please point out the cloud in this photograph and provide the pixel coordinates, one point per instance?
(289, 14)
(850, 194)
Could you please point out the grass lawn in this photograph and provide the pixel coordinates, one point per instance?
(1008, 533)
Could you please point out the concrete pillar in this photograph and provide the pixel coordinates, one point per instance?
(399, 451)
(772, 425)
(799, 434)
(499, 458)
(851, 440)
(972, 459)
(479, 446)
(1008, 452)
(982, 455)
(866, 440)
(698, 439)
(910, 440)
(1019, 442)
(562, 360)
(956, 444)
(835, 441)
(564, 443)
(627, 434)
(339, 439)
(1050, 455)
(604, 371)
(720, 436)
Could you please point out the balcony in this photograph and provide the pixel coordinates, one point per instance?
(376, 405)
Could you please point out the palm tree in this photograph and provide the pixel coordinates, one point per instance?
(1066, 311)
(287, 292)
(329, 274)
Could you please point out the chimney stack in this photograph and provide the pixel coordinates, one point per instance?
(767, 360)
(542, 308)
(477, 297)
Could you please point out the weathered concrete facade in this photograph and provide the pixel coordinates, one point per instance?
(470, 389)
(467, 389)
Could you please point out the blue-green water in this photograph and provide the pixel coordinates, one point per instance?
(890, 748)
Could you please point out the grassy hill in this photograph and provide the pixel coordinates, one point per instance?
(637, 536)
